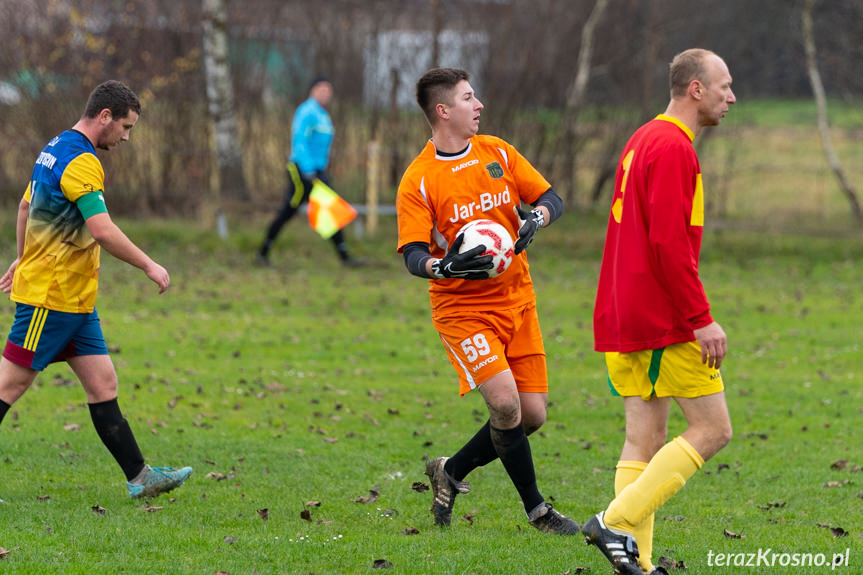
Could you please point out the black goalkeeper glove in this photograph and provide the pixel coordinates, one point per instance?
(467, 266)
(530, 222)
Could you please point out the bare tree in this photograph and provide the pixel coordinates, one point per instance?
(821, 103)
(576, 94)
(220, 99)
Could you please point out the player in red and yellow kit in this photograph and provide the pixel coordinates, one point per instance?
(652, 318)
(62, 224)
(488, 326)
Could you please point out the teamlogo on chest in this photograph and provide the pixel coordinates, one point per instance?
(487, 201)
(494, 170)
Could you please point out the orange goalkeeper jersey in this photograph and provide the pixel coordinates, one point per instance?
(439, 194)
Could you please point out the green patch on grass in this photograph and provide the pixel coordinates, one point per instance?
(306, 397)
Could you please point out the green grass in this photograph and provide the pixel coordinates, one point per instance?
(306, 383)
(779, 113)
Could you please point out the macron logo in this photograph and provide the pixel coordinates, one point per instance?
(464, 165)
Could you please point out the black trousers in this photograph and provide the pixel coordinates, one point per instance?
(297, 194)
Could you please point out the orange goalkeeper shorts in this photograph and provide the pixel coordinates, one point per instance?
(484, 344)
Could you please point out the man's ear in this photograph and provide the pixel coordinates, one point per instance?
(442, 111)
(696, 90)
(105, 117)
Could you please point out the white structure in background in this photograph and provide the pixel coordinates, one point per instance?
(9, 95)
(410, 53)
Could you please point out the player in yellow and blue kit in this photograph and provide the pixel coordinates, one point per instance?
(62, 224)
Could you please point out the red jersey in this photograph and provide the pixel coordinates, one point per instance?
(439, 194)
(650, 295)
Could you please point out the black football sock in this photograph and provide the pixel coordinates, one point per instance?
(513, 448)
(4, 407)
(341, 245)
(115, 433)
(264, 250)
(477, 452)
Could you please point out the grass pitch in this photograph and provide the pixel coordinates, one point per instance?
(306, 397)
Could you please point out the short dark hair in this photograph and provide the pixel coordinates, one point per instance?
(686, 67)
(434, 88)
(114, 95)
(318, 80)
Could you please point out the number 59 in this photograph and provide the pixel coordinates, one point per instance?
(475, 347)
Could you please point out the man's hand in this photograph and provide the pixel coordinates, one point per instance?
(158, 275)
(529, 223)
(713, 344)
(470, 265)
(6, 280)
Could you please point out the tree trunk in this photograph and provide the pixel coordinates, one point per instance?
(575, 100)
(821, 103)
(436, 30)
(220, 100)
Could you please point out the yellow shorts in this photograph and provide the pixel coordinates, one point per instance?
(673, 371)
(482, 345)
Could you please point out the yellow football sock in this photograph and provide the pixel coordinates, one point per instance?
(665, 475)
(628, 472)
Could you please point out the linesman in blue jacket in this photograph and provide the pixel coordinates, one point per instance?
(311, 138)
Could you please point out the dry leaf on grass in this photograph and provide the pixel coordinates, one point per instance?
(219, 476)
(836, 531)
(671, 564)
(373, 496)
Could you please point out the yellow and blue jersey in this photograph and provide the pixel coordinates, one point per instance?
(59, 268)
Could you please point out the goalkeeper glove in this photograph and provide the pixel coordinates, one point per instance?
(530, 222)
(471, 265)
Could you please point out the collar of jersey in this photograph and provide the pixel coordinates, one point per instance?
(457, 156)
(677, 123)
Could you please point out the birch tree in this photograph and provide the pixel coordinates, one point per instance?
(576, 94)
(220, 102)
(821, 104)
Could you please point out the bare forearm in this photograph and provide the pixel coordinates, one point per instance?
(21, 226)
(116, 243)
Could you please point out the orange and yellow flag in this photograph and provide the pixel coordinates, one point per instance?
(328, 211)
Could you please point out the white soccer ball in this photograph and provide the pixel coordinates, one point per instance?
(496, 240)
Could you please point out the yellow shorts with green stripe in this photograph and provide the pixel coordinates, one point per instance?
(673, 371)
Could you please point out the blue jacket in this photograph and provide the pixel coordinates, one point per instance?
(311, 136)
